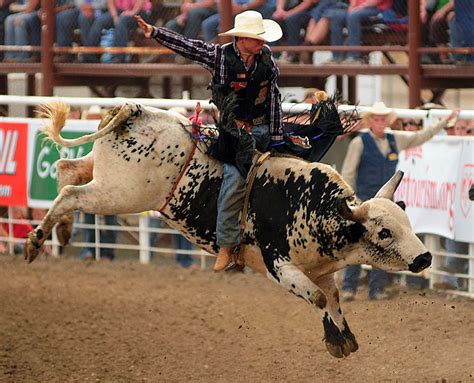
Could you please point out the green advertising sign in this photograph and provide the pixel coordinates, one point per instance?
(43, 175)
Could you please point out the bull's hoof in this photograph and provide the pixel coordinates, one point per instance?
(32, 247)
(351, 342)
(63, 231)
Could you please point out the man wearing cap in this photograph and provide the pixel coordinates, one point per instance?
(247, 69)
(370, 161)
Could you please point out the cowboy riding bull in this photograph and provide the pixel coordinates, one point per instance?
(303, 221)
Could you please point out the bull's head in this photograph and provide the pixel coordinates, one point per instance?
(387, 239)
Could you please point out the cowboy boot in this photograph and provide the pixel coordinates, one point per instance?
(223, 259)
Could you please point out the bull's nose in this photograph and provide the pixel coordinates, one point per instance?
(420, 263)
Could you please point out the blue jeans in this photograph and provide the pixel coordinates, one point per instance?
(18, 29)
(184, 260)
(231, 195)
(106, 236)
(122, 31)
(323, 6)
(67, 21)
(455, 265)
(192, 27)
(464, 11)
(339, 18)
(294, 24)
(377, 280)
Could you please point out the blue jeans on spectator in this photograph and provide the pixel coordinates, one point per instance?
(377, 280)
(4, 13)
(180, 242)
(210, 26)
(231, 195)
(293, 26)
(106, 236)
(122, 31)
(70, 19)
(464, 11)
(192, 26)
(18, 29)
(340, 18)
(323, 6)
(453, 264)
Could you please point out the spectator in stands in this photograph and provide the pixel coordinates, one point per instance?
(120, 16)
(318, 26)
(20, 229)
(411, 124)
(107, 236)
(4, 13)
(81, 16)
(293, 16)
(211, 26)
(358, 12)
(439, 26)
(370, 161)
(193, 13)
(21, 29)
(464, 31)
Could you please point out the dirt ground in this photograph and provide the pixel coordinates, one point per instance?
(64, 321)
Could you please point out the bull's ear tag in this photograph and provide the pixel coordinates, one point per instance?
(401, 204)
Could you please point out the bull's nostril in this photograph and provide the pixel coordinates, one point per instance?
(420, 263)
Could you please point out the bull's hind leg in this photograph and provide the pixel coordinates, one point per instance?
(295, 281)
(328, 285)
(86, 197)
(71, 172)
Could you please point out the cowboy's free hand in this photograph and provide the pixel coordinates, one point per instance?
(145, 27)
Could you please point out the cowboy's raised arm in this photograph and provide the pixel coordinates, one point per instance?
(195, 50)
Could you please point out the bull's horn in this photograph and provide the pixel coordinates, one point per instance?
(356, 214)
(387, 190)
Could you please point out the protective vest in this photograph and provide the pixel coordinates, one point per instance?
(251, 88)
(374, 168)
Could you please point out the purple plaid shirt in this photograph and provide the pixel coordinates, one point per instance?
(211, 57)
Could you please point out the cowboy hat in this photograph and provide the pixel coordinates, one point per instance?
(380, 109)
(252, 25)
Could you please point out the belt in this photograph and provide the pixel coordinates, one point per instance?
(248, 126)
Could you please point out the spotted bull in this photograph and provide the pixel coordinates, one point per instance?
(303, 223)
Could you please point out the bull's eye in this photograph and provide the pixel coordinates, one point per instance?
(384, 234)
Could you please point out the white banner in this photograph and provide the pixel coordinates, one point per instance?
(435, 187)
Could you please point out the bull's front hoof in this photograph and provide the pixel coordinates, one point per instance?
(32, 248)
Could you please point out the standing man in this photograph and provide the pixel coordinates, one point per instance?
(371, 160)
(246, 69)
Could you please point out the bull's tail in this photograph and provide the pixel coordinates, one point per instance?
(58, 112)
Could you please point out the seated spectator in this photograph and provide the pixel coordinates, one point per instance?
(462, 31)
(439, 26)
(120, 16)
(4, 13)
(358, 12)
(318, 26)
(20, 230)
(81, 16)
(193, 13)
(211, 26)
(293, 16)
(22, 29)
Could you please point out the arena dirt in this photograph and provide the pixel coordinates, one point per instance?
(64, 321)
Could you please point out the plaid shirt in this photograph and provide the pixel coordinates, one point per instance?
(211, 57)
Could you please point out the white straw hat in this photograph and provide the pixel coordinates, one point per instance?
(252, 25)
(380, 109)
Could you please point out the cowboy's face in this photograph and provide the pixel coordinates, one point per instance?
(251, 46)
(377, 123)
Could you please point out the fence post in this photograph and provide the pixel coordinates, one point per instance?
(144, 239)
(433, 244)
(470, 281)
(54, 244)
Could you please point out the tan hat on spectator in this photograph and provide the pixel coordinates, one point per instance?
(380, 109)
(251, 24)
